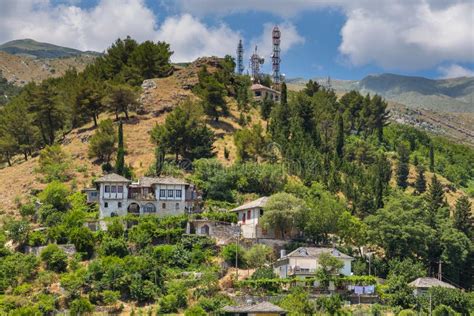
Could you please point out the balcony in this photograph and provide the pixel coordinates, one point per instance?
(141, 196)
(300, 271)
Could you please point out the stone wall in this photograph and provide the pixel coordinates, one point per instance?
(69, 249)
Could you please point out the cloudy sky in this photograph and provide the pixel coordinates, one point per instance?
(345, 39)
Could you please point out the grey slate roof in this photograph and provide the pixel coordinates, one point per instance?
(112, 177)
(264, 307)
(257, 86)
(261, 202)
(429, 282)
(314, 252)
(149, 181)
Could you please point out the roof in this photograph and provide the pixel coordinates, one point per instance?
(430, 282)
(149, 181)
(314, 252)
(264, 307)
(261, 202)
(258, 86)
(112, 177)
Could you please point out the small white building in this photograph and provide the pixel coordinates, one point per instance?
(304, 262)
(248, 216)
(261, 92)
(422, 285)
(118, 196)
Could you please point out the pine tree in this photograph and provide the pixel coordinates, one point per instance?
(120, 162)
(403, 167)
(432, 158)
(280, 120)
(340, 136)
(159, 160)
(463, 219)
(435, 195)
(420, 182)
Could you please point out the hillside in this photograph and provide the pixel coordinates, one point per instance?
(20, 70)
(33, 49)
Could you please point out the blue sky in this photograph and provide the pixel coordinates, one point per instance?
(339, 38)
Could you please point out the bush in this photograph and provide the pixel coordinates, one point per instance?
(55, 194)
(28, 210)
(169, 304)
(54, 164)
(258, 256)
(407, 312)
(330, 304)
(110, 297)
(232, 252)
(81, 306)
(54, 258)
(113, 247)
(196, 310)
(214, 303)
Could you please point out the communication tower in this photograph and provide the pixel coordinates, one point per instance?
(255, 62)
(276, 36)
(240, 58)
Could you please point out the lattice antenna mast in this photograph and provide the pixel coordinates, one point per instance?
(255, 62)
(240, 58)
(276, 36)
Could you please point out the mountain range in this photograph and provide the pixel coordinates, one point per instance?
(34, 49)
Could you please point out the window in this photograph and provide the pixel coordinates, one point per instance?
(120, 189)
(107, 188)
(249, 214)
(177, 206)
(119, 204)
(170, 193)
(258, 93)
(163, 206)
(106, 204)
(178, 194)
(94, 194)
(114, 189)
(149, 208)
(162, 193)
(243, 218)
(261, 212)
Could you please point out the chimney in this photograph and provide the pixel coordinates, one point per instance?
(282, 253)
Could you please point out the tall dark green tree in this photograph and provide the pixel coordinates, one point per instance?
(120, 162)
(435, 196)
(311, 87)
(403, 167)
(463, 219)
(432, 158)
(122, 98)
(420, 182)
(339, 136)
(280, 120)
(379, 115)
(152, 60)
(212, 93)
(159, 160)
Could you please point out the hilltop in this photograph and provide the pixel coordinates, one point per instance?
(33, 49)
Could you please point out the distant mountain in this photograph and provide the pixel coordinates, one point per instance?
(446, 95)
(34, 49)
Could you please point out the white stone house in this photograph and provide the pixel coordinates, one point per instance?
(304, 262)
(422, 285)
(118, 196)
(260, 92)
(248, 216)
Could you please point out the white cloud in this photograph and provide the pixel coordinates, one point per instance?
(401, 34)
(454, 71)
(189, 38)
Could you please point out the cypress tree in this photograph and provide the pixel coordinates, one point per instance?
(159, 162)
(280, 120)
(120, 163)
(435, 195)
(340, 136)
(403, 167)
(463, 219)
(432, 158)
(420, 182)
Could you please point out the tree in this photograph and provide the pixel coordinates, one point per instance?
(232, 253)
(250, 143)
(81, 306)
(120, 161)
(55, 258)
(102, 143)
(212, 93)
(122, 98)
(55, 194)
(83, 240)
(17, 230)
(184, 133)
(280, 120)
(266, 107)
(311, 87)
(420, 182)
(432, 158)
(54, 163)
(298, 302)
(281, 212)
(89, 101)
(340, 136)
(152, 60)
(403, 167)
(435, 195)
(462, 217)
(379, 116)
(258, 256)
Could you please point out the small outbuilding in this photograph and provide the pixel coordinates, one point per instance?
(258, 309)
(261, 92)
(422, 285)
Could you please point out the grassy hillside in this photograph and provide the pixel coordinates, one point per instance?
(32, 48)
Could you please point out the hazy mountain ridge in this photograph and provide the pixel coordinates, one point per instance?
(34, 49)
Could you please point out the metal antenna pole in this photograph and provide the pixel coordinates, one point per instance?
(276, 37)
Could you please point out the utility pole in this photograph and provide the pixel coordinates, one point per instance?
(439, 271)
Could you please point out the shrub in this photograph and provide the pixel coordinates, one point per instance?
(114, 247)
(258, 256)
(196, 310)
(54, 258)
(36, 239)
(28, 210)
(81, 306)
(54, 164)
(169, 304)
(110, 297)
(407, 312)
(330, 304)
(55, 194)
(232, 252)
